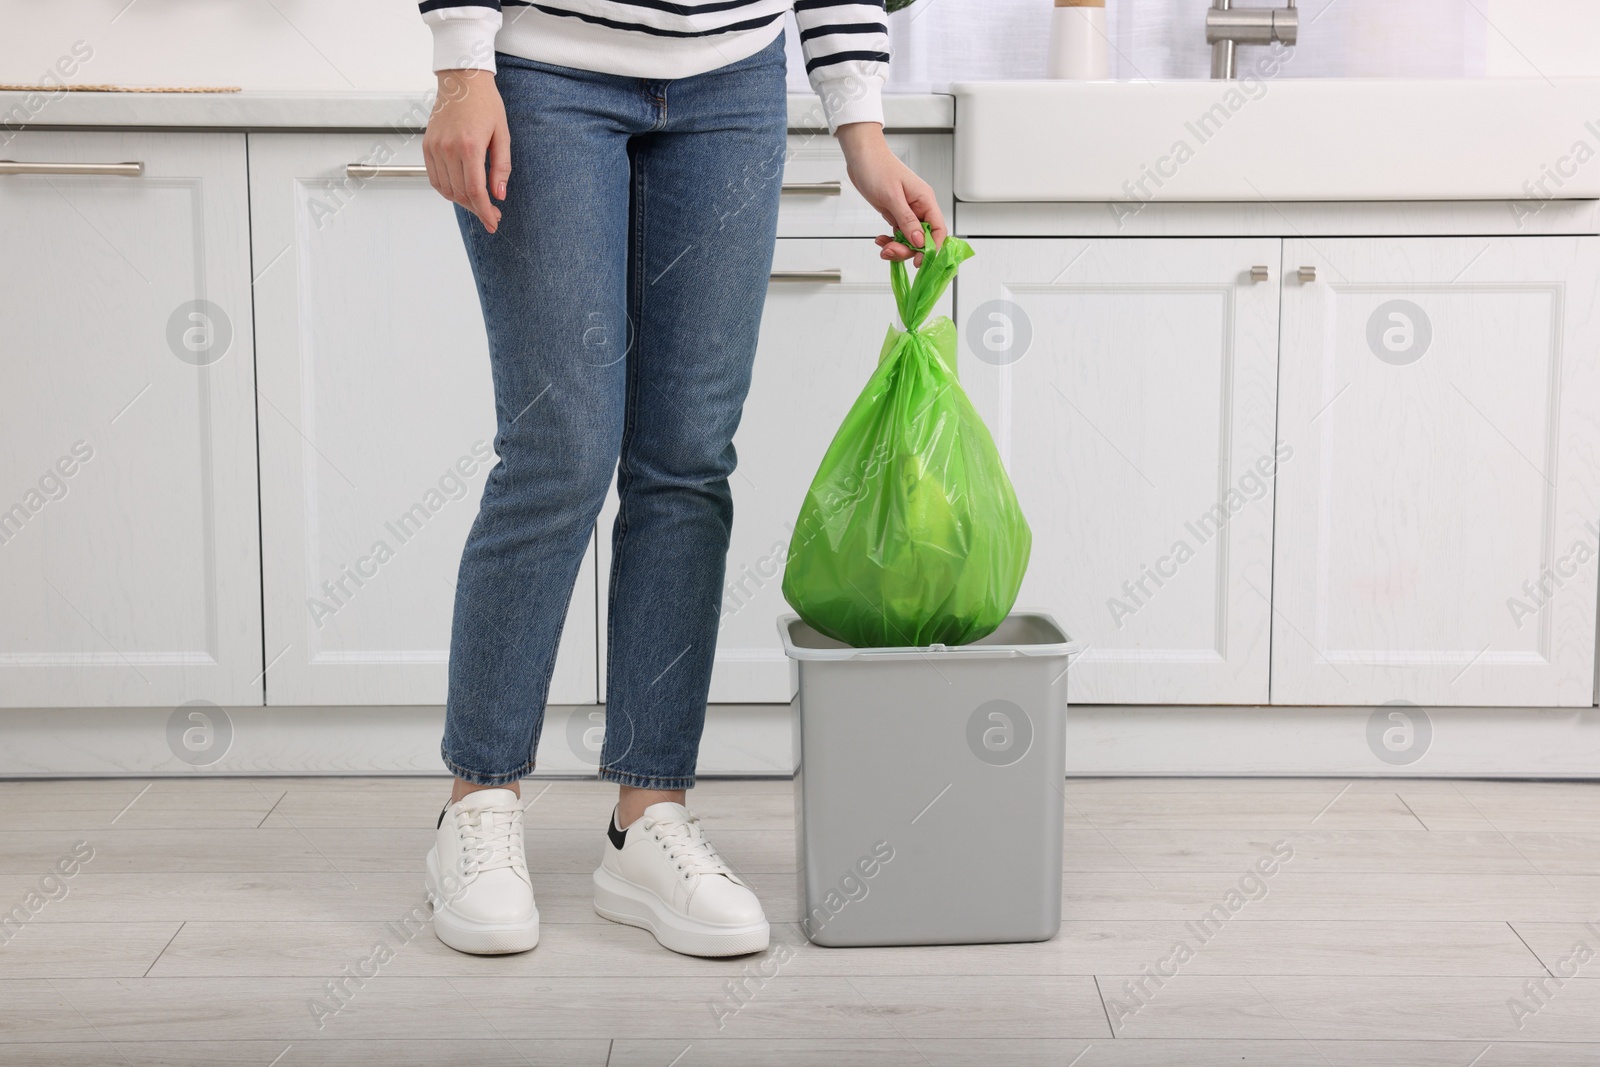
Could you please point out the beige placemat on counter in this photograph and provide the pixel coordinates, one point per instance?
(121, 88)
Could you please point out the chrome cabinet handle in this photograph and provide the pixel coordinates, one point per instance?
(373, 170)
(807, 275)
(119, 170)
(812, 188)
(1308, 274)
(1258, 274)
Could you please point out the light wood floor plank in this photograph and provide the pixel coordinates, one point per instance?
(1247, 810)
(36, 1009)
(266, 1009)
(1562, 853)
(732, 1052)
(687, 1008)
(176, 897)
(1332, 1011)
(119, 851)
(1573, 810)
(1435, 1009)
(1322, 895)
(191, 798)
(1447, 811)
(1093, 850)
(1568, 950)
(90, 822)
(83, 950)
(603, 949)
(1347, 851)
(1196, 1007)
(1143, 1052)
(319, 1052)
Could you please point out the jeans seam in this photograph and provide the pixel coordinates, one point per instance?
(630, 377)
(467, 775)
(549, 673)
(645, 781)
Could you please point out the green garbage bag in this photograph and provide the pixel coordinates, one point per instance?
(910, 533)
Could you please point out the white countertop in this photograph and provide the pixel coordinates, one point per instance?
(316, 110)
(1311, 139)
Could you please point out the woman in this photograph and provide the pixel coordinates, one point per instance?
(617, 166)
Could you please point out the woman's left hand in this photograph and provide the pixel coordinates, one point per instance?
(904, 200)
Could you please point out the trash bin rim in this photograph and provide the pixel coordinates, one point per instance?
(1065, 647)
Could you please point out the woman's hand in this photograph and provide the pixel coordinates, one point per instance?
(468, 124)
(904, 200)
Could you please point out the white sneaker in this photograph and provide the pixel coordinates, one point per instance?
(478, 876)
(663, 875)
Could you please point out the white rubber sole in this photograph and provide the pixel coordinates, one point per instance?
(622, 901)
(469, 935)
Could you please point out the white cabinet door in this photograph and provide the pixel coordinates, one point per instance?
(377, 427)
(819, 343)
(128, 544)
(1436, 538)
(1130, 388)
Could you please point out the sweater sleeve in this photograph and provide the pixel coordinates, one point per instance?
(463, 32)
(846, 46)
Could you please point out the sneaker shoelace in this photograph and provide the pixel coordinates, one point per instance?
(491, 838)
(686, 844)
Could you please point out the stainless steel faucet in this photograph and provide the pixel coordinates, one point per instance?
(1227, 26)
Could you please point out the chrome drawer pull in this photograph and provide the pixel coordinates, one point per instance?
(119, 170)
(808, 275)
(373, 170)
(812, 188)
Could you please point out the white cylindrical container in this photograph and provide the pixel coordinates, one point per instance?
(1079, 47)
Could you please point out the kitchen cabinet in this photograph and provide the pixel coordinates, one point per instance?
(1129, 385)
(828, 308)
(239, 460)
(377, 426)
(128, 519)
(1436, 536)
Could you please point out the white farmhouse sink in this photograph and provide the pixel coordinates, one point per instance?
(1288, 139)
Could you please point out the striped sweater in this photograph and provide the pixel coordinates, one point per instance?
(846, 43)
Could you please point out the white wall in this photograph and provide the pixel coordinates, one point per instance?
(382, 44)
(256, 44)
(1543, 37)
(938, 41)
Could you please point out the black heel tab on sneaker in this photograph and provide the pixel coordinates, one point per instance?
(441, 815)
(619, 836)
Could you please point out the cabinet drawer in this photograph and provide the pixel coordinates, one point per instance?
(818, 199)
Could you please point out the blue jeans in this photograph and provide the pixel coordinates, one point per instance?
(623, 296)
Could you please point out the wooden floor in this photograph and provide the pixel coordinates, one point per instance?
(1414, 917)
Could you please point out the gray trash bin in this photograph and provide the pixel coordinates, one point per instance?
(929, 791)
